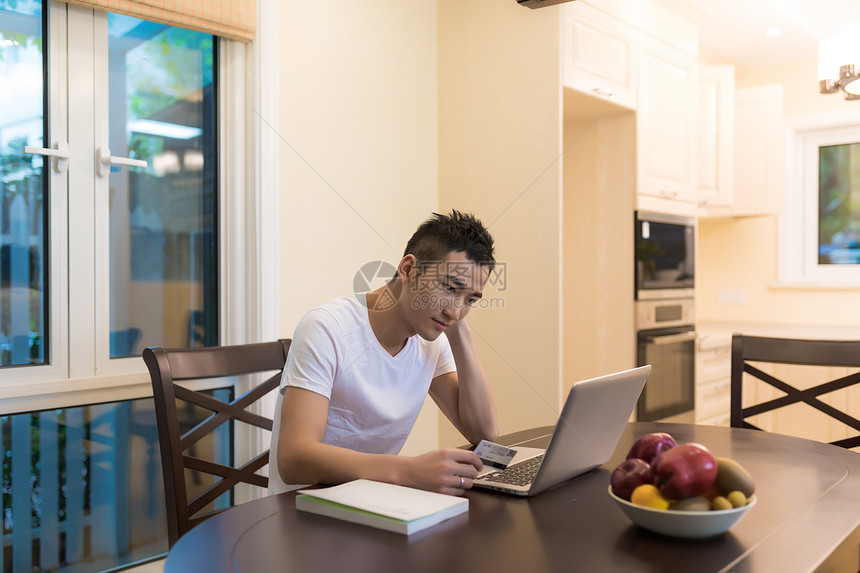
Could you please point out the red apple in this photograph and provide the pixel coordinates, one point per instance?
(650, 446)
(684, 471)
(628, 475)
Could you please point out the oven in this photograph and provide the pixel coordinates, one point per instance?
(666, 339)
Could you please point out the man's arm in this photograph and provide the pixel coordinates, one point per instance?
(464, 396)
(303, 458)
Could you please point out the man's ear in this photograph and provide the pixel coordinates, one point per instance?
(408, 268)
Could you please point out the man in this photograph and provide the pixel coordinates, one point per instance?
(360, 367)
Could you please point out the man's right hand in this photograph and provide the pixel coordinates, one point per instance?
(303, 458)
(448, 471)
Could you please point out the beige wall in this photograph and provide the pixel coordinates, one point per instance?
(390, 110)
(741, 254)
(800, 81)
(499, 142)
(599, 179)
(358, 144)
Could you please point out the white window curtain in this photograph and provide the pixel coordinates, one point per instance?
(232, 19)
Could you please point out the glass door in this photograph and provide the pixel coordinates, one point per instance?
(108, 243)
(108, 192)
(25, 162)
(34, 165)
(158, 163)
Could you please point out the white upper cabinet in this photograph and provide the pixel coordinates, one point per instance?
(759, 150)
(667, 134)
(600, 54)
(741, 139)
(642, 56)
(716, 137)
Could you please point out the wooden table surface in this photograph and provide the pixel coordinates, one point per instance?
(807, 518)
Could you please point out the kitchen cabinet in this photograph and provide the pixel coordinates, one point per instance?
(713, 380)
(713, 394)
(716, 130)
(667, 136)
(642, 57)
(600, 55)
(758, 155)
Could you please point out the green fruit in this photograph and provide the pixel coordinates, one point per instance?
(721, 503)
(697, 503)
(731, 476)
(737, 498)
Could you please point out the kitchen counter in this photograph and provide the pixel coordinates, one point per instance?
(717, 334)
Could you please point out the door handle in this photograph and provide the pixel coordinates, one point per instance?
(104, 160)
(672, 338)
(59, 153)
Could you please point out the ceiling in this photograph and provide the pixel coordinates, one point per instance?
(735, 29)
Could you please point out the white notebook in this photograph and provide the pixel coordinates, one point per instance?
(382, 505)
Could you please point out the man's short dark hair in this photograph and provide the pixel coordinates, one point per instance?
(456, 232)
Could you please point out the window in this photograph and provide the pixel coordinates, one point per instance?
(23, 186)
(163, 240)
(839, 204)
(114, 164)
(820, 223)
(120, 141)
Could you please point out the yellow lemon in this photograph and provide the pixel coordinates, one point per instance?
(737, 498)
(721, 503)
(648, 495)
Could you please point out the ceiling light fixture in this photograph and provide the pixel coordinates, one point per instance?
(839, 58)
(773, 32)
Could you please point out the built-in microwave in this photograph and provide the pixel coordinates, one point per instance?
(665, 256)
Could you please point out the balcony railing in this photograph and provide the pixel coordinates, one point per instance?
(82, 489)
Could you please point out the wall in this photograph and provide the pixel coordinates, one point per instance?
(499, 146)
(741, 254)
(390, 110)
(358, 145)
(800, 81)
(599, 184)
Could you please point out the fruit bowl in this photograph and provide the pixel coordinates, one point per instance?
(689, 524)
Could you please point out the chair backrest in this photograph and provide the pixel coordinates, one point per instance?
(830, 353)
(167, 366)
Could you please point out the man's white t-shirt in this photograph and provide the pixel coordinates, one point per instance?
(374, 398)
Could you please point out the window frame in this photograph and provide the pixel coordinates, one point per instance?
(798, 223)
(248, 224)
(104, 364)
(18, 380)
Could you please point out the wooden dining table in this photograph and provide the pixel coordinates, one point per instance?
(807, 518)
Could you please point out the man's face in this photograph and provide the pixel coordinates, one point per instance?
(444, 293)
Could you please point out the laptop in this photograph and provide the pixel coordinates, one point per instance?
(588, 430)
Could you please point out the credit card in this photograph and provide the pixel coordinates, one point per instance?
(495, 455)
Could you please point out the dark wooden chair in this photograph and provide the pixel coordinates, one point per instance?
(168, 366)
(833, 353)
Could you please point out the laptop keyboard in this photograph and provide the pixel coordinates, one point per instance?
(518, 474)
